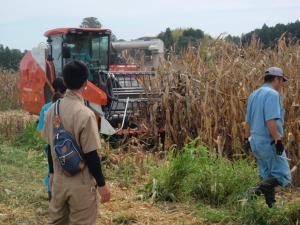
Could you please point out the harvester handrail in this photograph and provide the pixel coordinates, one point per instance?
(131, 73)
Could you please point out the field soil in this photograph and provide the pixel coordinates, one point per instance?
(23, 197)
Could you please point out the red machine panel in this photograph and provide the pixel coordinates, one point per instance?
(95, 94)
(32, 82)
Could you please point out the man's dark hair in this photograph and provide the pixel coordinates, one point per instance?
(58, 85)
(269, 78)
(75, 74)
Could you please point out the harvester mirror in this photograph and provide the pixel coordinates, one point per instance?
(66, 52)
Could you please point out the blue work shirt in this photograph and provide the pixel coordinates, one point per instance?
(44, 109)
(264, 104)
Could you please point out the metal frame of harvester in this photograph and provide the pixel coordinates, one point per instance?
(114, 92)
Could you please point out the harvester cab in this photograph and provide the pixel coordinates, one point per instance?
(114, 93)
(88, 45)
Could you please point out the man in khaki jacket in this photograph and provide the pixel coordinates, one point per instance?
(74, 199)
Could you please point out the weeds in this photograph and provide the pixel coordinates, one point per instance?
(196, 174)
(218, 186)
(21, 186)
(211, 215)
(29, 138)
(126, 171)
(254, 213)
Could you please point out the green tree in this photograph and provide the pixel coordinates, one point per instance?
(181, 38)
(10, 58)
(269, 35)
(113, 37)
(167, 38)
(90, 22)
(234, 39)
(177, 33)
(190, 37)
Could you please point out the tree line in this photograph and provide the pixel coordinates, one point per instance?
(268, 36)
(178, 39)
(10, 58)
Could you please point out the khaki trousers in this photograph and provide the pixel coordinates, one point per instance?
(74, 201)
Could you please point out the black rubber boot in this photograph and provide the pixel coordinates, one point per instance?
(252, 193)
(49, 196)
(267, 187)
(256, 191)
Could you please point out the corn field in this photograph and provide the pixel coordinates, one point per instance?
(13, 122)
(204, 94)
(9, 98)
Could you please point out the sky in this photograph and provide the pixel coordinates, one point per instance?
(23, 22)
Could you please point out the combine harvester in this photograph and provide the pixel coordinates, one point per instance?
(114, 92)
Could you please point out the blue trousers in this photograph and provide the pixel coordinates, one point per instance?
(269, 163)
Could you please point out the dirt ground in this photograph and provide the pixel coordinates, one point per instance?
(23, 197)
(126, 207)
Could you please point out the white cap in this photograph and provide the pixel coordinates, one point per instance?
(275, 71)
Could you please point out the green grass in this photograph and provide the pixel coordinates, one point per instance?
(212, 215)
(29, 138)
(218, 187)
(196, 174)
(213, 186)
(22, 169)
(256, 213)
(21, 184)
(253, 213)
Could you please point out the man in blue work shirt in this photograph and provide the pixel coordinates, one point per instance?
(264, 132)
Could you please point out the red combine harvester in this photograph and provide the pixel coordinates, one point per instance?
(114, 92)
